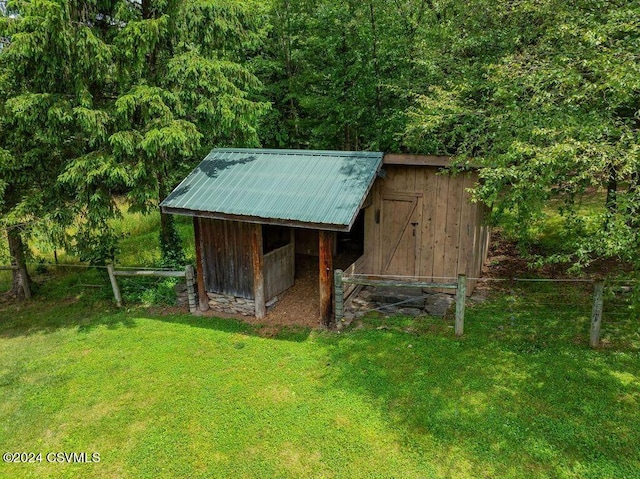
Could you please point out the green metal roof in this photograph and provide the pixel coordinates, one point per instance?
(318, 189)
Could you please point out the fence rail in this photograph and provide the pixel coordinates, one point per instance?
(596, 303)
(591, 311)
(187, 273)
(340, 279)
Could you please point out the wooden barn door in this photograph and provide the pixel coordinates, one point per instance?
(400, 232)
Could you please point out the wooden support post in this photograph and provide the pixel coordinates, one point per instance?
(114, 284)
(203, 299)
(461, 294)
(258, 272)
(339, 295)
(191, 293)
(327, 240)
(596, 313)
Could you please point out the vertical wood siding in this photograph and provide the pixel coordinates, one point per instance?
(226, 254)
(449, 237)
(279, 270)
(306, 241)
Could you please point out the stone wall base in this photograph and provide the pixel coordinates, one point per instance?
(401, 301)
(225, 303)
(182, 297)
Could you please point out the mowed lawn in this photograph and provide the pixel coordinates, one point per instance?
(175, 396)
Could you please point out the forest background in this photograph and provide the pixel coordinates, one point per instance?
(108, 99)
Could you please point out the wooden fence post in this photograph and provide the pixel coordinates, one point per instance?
(339, 295)
(596, 313)
(114, 284)
(461, 295)
(191, 294)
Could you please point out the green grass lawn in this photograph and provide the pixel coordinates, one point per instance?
(140, 245)
(172, 396)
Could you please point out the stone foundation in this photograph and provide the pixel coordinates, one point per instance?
(413, 302)
(225, 303)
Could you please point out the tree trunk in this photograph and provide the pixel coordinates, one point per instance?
(611, 202)
(170, 245)
(612, 190)
(21, 283)
(374, 52)
(634, 183)
(633, 218)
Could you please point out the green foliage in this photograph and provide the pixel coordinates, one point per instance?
(95, 248)
(544, 95)
(172, 252)
(121, 97)
(180, 82)
(337, 72)
(115, 97)
(148, 291)
(54, 118)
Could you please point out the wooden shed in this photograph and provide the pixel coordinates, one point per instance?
(420, 221)
(257, 211)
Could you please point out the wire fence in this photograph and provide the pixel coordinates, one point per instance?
(551, 310)
(535, 311)
(58, 279)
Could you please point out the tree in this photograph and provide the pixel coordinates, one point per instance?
(181, 80)
(545, 95)
(337, 72)
(99, 98)
(54, 71)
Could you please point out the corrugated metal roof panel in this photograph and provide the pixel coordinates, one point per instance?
(321, 188)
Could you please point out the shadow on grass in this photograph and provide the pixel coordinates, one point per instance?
(84, 301)
(25, 318)
(495, 410)
(82, 297)
(229, 325)
(44, 317)
(62, 300)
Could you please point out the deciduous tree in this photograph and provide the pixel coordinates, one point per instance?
(545, 96)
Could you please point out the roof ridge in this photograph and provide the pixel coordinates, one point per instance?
(298, 152)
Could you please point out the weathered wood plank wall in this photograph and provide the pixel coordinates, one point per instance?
(227, 260)
(203, 300)
(306, 241)
(358, 267)
(443, 238)
(279, 270)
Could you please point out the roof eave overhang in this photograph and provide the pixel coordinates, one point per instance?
(256, 219)
(364, 197)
